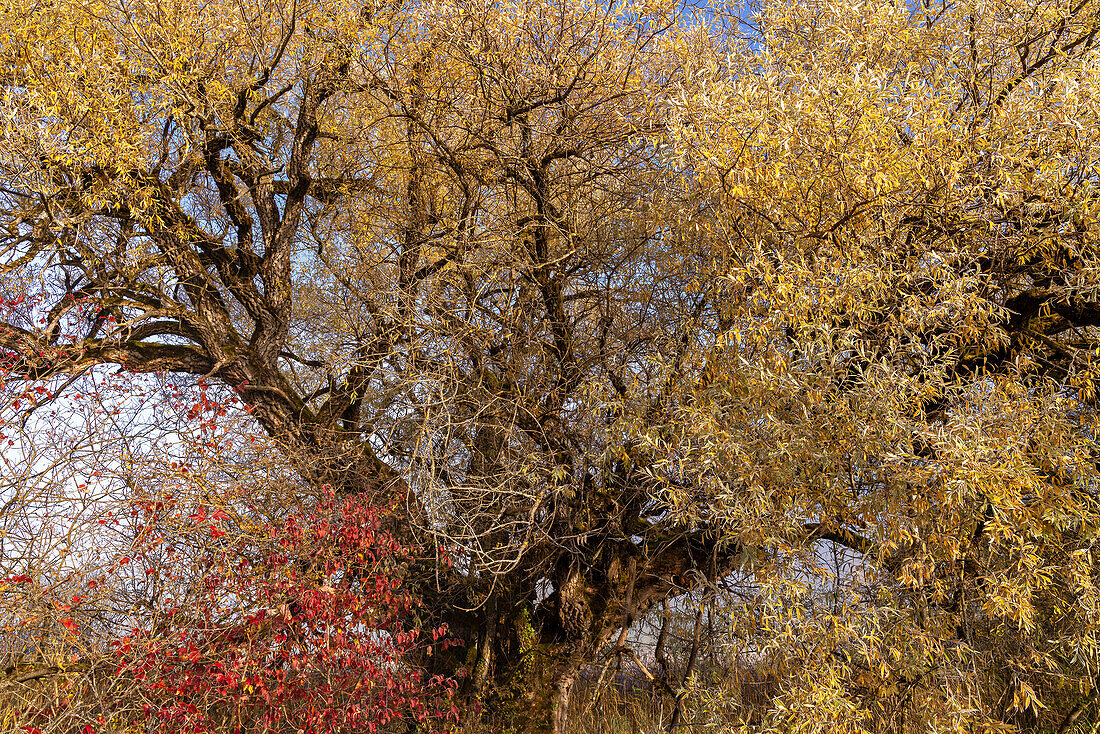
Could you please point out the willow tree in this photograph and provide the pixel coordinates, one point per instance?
(903, 207)
(609, 301)
(421, 242)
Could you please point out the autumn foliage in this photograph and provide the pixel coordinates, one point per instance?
(304, 633)
(753, 348)
(297, 626)
(209, 612)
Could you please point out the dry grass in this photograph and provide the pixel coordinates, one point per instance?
(617, 713)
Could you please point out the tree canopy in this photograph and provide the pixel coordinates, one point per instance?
(789, 310)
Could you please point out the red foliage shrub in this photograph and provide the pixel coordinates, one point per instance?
(299, 627)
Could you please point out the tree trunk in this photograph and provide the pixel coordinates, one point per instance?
(517, 670)
(525, 675)
(561, 705)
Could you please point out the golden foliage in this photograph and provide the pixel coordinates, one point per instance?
(624, 299)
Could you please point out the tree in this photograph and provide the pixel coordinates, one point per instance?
(371, 225)
(612, 301)
(183, 593)
(907, 206)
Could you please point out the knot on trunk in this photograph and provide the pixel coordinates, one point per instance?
(575, 606)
